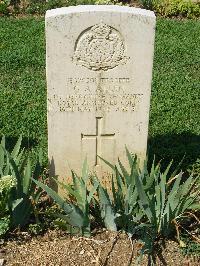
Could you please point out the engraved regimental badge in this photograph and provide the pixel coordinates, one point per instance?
(100, 47)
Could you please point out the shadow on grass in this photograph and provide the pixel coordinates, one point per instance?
(27, 143)
(174, 147)
(165, 147)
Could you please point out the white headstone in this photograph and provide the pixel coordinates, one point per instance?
(99, 71)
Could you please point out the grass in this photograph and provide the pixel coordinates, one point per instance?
(22, 81)
(175, 104)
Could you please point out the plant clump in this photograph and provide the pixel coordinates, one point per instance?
(18, 194)
(151, 205)
(166, 8)
(144, 202)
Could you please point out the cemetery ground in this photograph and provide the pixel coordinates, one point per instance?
(174, 132)
(174, 126)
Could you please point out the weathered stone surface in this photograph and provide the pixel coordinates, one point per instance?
(99, 70)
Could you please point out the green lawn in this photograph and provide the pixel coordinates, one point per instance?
(175, 104)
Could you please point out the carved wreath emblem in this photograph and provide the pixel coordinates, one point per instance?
(101, 47)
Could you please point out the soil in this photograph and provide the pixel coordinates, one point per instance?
(56, 248)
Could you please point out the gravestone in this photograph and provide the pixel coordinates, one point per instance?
(99, 71)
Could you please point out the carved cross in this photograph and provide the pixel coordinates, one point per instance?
(98, 137)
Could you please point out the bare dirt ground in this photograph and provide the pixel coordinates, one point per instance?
(56, 248)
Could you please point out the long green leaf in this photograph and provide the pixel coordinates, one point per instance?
(131, 159)
(21, 212)
(194, 206)
(16, 149)
(163, 190)
(19, 157)
(2, 155)
(125, 173)
(144, 200)
(76, 217)
(114, 192)
(153, 176)
(107, 211)
(15, 172)
(3, 142)
(16, 202)
(27, 177)
(36, 175)
(119, 180)
(85, 174)
(92, 191)
(7, 170)
(70, 190)
(106, 162)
